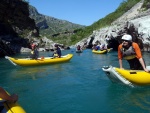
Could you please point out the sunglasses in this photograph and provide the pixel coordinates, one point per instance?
(125, 41)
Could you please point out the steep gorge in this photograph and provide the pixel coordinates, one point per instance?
(15, 25)
(14, 17)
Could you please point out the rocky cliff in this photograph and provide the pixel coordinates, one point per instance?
(50, 25)
(14, 17)
(15, 25)
(135, 22)
(20, 24)
(17, 28)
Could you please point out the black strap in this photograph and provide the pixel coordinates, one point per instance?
(1, 108)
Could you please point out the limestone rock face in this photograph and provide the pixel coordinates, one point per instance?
(134, 22)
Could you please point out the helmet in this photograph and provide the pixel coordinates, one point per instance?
(56, 45)
(127, 37)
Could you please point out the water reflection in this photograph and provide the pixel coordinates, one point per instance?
(140, 99)
(35, 72)
(125, 99)
(79, 54)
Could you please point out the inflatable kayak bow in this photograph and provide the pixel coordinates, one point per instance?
(6, 107)
(128, 77)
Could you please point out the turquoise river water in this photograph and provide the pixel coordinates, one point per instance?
(77, 86)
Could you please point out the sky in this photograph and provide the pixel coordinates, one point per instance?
(83, 12)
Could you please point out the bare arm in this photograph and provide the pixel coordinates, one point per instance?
(120, 63)
(143, 64)
(5, 96)
(139, 56)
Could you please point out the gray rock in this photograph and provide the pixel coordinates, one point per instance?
(135, 21)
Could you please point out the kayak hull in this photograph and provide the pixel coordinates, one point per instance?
(99, 51)
(128, 77)
(12, 108)
(39, 61)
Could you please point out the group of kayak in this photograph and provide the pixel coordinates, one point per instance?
(138, 74)
(95, 49)
(46, 60)
(115, 74)
(125, 76)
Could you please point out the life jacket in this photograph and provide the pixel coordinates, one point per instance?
(78, 48)
(97, 47)
(103, 46)
(129, 53)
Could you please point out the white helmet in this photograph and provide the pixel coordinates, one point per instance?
(127, 37)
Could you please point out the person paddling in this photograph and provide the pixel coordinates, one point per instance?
(34, 52)
(58, 50)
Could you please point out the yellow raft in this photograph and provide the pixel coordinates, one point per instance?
(99, 51)
(39, 61)
(128, 77)
(7, 107)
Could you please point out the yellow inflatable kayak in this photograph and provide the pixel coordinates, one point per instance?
(99, 51)
(128, 77)
(39, 61)
(6, 107)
